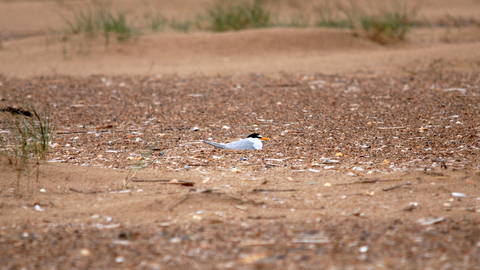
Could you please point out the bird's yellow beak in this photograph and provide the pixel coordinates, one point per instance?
(266, 139)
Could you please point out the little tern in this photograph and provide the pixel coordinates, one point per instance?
(253, 141)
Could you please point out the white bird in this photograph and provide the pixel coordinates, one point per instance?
(253, 141)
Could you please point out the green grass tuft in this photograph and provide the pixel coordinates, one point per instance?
(225, 16)
(102, 19)
(41, 132)
(157, 23)
(329, 15)
(384, 22)
(386, 28)
(29, 135)
(117, 23)
(181, 26)
(299, 20)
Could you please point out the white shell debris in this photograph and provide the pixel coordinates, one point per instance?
(363, 249)
(43, 190)
(461, 90)
(38, 208)
(328, 161)
(430, 221)
(121, 242)
(316, 239)
(121, 191)
(447, 206)
(107, 226)
(458, 195)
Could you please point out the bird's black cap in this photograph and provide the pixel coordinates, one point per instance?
(255, 135)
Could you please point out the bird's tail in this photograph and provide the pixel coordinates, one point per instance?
(218, 145)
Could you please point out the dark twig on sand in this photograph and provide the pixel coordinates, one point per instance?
(179, 202)
(397, 186)
(272, 190)
(368, 181)
(167, 182)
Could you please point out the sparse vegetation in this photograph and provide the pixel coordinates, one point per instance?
(379, 23)
(299, 20)
(157, 22)
(102, 19)
(117, 24)
(18, 152)
(41, 132)
(142, 163)
(28, 135)
(181, 25)
(225, 16)
(386, 28)
(382, 23)
(330, 15)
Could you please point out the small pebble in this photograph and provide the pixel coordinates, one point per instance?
(176, 240)
(363, 249)
(85, 252)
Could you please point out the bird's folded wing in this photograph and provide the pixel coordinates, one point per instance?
(241, 145)
(219, 145)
